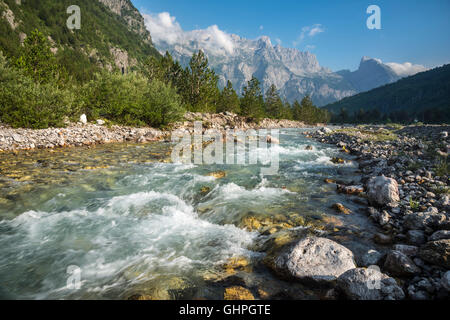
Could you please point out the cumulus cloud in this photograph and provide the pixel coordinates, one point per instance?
(309, 31)
(406, 69)
(315, 29)
(165, 29)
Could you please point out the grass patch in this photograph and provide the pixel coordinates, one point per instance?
(413, 204)
(440, 190)
(442, 167)
(414, 166)
(369, 135)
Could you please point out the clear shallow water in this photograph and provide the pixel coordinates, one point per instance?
(136, 224)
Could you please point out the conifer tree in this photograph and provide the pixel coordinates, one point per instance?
(37, 60)
(273, 105)
(200, 90)
(252, 102)
(229, 100)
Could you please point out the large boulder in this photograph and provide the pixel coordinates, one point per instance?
(369, 284)
(314, 259)
(428, 219)
(436, 252)
(399, 264)
(382, 191)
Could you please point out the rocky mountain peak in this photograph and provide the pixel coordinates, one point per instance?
(265, 42)
(126, 10)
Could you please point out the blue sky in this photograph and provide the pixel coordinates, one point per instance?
(415, 31)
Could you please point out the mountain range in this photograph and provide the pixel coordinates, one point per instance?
(115, 35)
(424, 96)
(295, 73)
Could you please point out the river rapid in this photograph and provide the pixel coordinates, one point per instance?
(133, 223)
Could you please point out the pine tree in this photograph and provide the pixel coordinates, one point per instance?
(229, 100)
(297, 111)
(37, 60)
(274, 104)
(252, 102)
(200, 90)
(287, 111)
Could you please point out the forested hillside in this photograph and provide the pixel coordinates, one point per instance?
(423, 97)
(107, 39)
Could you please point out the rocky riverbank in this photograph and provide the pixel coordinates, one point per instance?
(85, 134)
(406, 187)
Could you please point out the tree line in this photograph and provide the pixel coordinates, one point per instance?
(375, 116)
(38, 92)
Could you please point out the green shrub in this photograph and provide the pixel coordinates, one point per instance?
(162, 105)
(27, 104)
(131, 100)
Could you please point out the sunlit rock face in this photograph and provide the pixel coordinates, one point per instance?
(295, 73)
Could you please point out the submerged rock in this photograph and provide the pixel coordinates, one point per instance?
(369, 284)
(238, 293)
(337, 160)
(339, 207)
(314, 259)
(218, 174)
(350, 189)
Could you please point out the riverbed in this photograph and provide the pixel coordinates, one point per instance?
(135, 224)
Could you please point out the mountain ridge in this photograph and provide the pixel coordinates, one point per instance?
(106, 40)
(295, 73)
(424, 97)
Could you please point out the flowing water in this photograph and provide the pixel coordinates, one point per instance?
(134, 223)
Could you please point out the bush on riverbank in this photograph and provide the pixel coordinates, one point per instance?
(29, 104)
(131, 100)
(37, 92)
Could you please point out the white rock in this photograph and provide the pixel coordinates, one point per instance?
(100, 122)
(315, 259)
(83, 119)
(326, 130)
(382, 191)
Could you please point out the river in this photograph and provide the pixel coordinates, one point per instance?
(132, 223)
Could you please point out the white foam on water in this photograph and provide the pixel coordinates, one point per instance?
(232, 191)
(112, 238)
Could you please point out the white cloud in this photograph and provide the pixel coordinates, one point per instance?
(261, 28)
(164, 28)
(315, 30)
(308, 31)
(406, 69)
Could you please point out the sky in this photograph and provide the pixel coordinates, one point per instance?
(414, 31)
